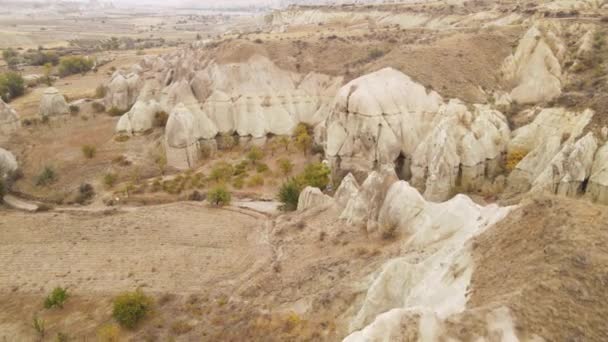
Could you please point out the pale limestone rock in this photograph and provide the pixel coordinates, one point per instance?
(436, 254)
(550, 122)
(462, 148)
(312, 197)
(377, 117)
(597, 187)
(552, 130)
(8, 163)
(532, 165)
(567, 171)
(9, 119)
(384, 118)
(256, 98)
(348, 189)
(122, 91)
(139, 119)
(53, 103)
(362, 210)
(534, 69)
(181, 139)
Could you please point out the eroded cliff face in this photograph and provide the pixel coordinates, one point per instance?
(252, 99)
(385, 118)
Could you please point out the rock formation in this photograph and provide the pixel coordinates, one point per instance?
(122, 90)
(534, 70)
(385, 118)
(312, 197)
(252, 98)
(436, 254)
(9, 119)
(551, 135)
(8, 163)
(53, 103)
(362, 208)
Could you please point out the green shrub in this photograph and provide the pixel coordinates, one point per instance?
(61, 337)
(110, 179)
(89, 151)
(375, 54)
(115, 111)
(12, 85)
(98, 107)
(130, 308)
(46, 177)
(39, 326)
(219, 196)
(286, 166)
(74, 65)
(289, 193)
(238, 183)
(74, 109)
(226, 141)
(261, 168)
(241, 168)
(256, 180)
(221, 172)
(255, 154)
(56, 299)
(317, 175)
(39, 58)
(100, 91)
(85, 193)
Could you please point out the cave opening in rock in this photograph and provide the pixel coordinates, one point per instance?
(402, 167)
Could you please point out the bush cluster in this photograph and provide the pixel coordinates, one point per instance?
(12, 85)
(74, 65)
(315, 174)
(130, 308)
(57, 298)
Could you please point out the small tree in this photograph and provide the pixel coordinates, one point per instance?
(304, 142)
(289, 194)
(46, 177)
(56, 299)
(109, 180)
(12, 85)
(286, 166)
(317, 175)
(285, 142)
(255, 154)
(130, 308)
(48, 69)
(89, 151)
(219, 196)
(100, 92)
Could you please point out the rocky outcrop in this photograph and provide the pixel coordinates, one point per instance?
(462, 150)
(312, 197)
(139, 119)
(8, 163)
(348, 189)
(363, 208)
(181, 139)
(9, 119)
(534, 70)
(597, 187)
(122, 91)
(436, 255)
(569, 169)
(253, 98)
(385, 118)
(553, 130)
(53, 103)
